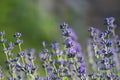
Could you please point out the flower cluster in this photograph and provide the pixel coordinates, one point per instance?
(22, 66)
(104, 46)
(66, 61)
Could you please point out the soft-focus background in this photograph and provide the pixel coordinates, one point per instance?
(39, 20)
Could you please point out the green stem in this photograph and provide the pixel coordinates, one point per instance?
(6, 53)
(20, 49)
(46, 70)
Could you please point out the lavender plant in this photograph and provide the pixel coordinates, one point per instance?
(105, 49)
(66, 61)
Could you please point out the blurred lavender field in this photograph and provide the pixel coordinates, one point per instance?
(38, 21)
(65, 61)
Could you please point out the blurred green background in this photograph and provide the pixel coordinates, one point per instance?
(39, 20)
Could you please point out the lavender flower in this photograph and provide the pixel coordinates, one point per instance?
(104, 48)
(17, 35)
(10, 46)
(2, 33)
(66, 61)
(110, 22)
(3, 40)
(18, 42)
(54, 45)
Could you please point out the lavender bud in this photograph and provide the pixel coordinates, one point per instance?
(12, 65)
(69, 42)
(28, 67)
(31, 58)
(18, 42)
(8, 61)
(42, 57)
(104, 60)
(43, 44)
(103, 51)
(118, 43)
(33, 69)
(21, 53)
(63, 26)
(5, 50)
(20, 76)
(19, 67)
(108, 43)
(109, 21)
(17, 35)
(10, 46)
(3, 40)
(54, 45)
(16, 59)
(49, 68)
(1, 76)
(91, 29)
(109, 66)
(102, 35)
(80, 58)
(90, 75)
(66, 32)
(81, 69)
(31, 52)
(52, 61)
(60, 62)
(45, 51)
(71, 52)
(2, 33)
